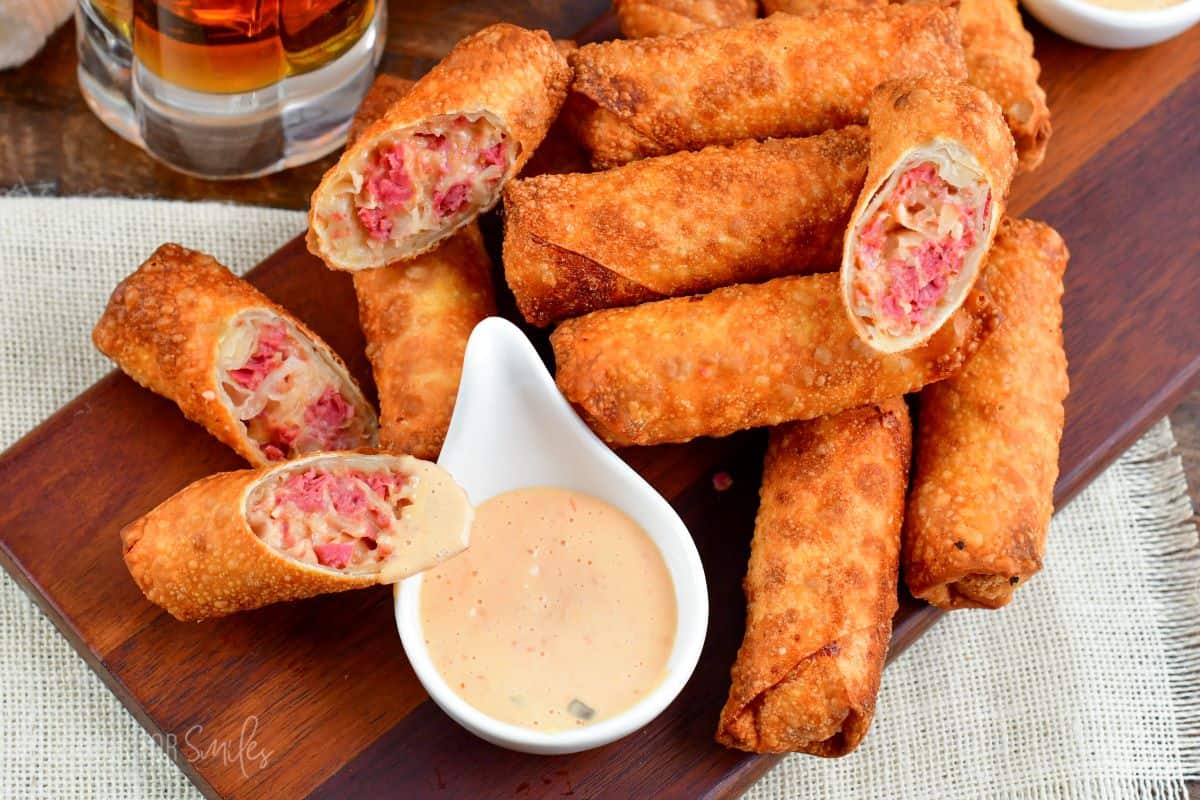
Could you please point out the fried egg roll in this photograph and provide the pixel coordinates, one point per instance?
(817, 6)
(680, 224)
(325, 523)
(441, 154)
(821, 585)
(781, 76)
(941, 162)
(1000, 60)
(741, 357)
(417, 316)
(640, 19)
(242, 366)
(987, 445)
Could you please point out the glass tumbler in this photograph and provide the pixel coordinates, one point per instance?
(229, 88)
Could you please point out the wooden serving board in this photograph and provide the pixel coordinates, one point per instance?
(316, 698)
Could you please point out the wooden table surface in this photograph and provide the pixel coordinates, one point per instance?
(51, 144)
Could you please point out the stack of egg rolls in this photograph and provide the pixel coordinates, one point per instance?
(680, 224)
(417, 315)
(781, 76)
(644, 18)
(740, 357)
(987, 444)
(821, 585)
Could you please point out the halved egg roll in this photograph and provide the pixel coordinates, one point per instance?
(441, 154)
(242, 366)
(417, 316)
(324, 523)
(781, 76)
(987, 445)
(817, 6)
(1000, 60)
(821, 585)
(741, 357)
(640, 19)
(680, 224)
(941, 163)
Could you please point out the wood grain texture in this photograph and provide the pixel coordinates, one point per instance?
(335, 701)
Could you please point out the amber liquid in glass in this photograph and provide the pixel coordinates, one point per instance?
(234, 46)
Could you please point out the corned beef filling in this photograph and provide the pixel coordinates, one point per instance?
(291, 402)
(337, 516)
(914, 245)
(423, 180)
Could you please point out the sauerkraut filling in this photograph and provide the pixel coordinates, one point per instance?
(289, 396)
(426, 178)
(335, 515)
(915, 243)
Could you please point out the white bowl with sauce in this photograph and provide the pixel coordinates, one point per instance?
(1116, 24)
(512, 430)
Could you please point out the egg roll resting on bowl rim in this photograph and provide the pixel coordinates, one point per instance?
(744, 356)
(821, 583)
(941, 163)
(640, 19)
(988, 439)
(239, 364)
(679, 224)
(324, 523)
(440, 154)
(781, 76)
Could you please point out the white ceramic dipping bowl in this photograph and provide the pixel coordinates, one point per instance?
(513, 429)
(1111, 28)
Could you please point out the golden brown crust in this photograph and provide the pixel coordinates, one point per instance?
(196, 556)
(640, 19)
(163, 326)
(987, 450)
(518, 76)
(679, 224)
(1000, 60)
(821, 584)
(383, 94)
(417, 316)
(781, 76)
(742, 357)
(802, 7)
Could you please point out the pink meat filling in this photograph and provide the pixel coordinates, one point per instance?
(269, 352)
(343, 518)
(914, 246)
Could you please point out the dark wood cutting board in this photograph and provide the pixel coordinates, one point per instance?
(317, 696)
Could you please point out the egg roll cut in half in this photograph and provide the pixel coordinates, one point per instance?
(640, 19)
(234, 361)
(781, 76)
(801, 7)
(324, 523)
(745, 356)
(987, 445)
(441, 153)
(680, 224)
(941, 163)
(821, 585)
(1000, 60)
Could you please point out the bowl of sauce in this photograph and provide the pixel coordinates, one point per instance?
(1116, 24)
(579, 610)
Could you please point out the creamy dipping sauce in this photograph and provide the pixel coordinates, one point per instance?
(560, 614)
(1135, 5)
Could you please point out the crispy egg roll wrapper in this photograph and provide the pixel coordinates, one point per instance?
(196, 556)
(802, 7)
(164, 326)
(512, 79)
(1000, 60)
(958, 128)
(640, 19)
(821, 584)
(417, 316)
(560, 152)
(987, 446)
(741, 357)
(680, 224)
(781, 76)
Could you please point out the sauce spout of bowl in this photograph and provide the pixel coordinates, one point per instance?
(512, 429)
